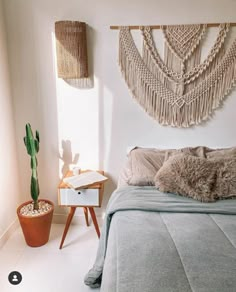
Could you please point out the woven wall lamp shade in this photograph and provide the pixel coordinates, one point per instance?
(71, 47)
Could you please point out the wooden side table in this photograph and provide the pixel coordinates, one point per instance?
(87, 198)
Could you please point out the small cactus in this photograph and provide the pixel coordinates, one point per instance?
(32, 146)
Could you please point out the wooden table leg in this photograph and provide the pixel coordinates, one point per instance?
(68, 221)
(93, 215)
(86, 215)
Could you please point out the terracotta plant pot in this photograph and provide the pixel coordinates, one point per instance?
(36, 229)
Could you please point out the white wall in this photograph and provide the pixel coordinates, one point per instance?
(99, 123)
(10, 191)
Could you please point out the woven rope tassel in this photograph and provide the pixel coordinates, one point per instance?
(71, 47)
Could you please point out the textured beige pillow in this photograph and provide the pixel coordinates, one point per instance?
(144, 164)
(221, 153)
(202, 179)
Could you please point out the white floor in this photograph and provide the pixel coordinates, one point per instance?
(46, 268)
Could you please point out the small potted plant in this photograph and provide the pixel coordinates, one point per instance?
(35, 216)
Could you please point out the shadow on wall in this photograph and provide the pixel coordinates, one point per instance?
(94, 38)
(66, 156)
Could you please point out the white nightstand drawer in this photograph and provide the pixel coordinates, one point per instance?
(83, 197)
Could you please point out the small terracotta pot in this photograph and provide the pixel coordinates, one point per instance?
(36, 229)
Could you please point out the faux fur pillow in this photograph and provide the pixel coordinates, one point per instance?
(202, 179)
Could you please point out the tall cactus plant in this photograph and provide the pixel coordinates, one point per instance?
(32, 146)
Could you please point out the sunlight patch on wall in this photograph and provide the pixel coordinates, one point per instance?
(78, 124)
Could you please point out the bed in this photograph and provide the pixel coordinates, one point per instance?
(156, 241)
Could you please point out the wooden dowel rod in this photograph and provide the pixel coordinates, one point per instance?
(115, 27)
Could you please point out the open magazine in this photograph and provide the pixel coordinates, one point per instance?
(84, 179)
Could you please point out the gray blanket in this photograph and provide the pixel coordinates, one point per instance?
(153, 241)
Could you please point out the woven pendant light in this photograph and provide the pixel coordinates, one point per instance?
(71, 47)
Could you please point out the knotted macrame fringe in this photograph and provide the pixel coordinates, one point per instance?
(182, 82)
(183, 40)
(163, 104)
(153, 60)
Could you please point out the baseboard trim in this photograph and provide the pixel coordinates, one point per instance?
(10, 230)
(77, 219)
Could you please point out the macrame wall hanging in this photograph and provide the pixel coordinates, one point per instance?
(72, 57)
(178, 90)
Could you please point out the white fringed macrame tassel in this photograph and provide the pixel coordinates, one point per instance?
(163, 104)
(185, 80)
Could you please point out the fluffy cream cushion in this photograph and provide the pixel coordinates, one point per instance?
(202, 179)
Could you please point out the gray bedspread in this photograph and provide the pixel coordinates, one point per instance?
(152, 241)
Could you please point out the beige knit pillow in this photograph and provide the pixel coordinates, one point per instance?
(144, 164)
